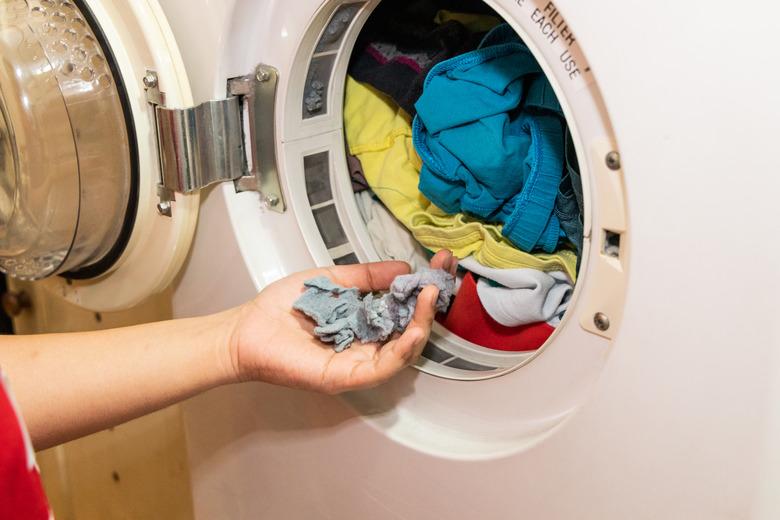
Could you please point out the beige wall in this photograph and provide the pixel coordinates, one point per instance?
(137, 470)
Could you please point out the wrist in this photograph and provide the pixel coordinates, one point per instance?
(216, 355)
(227, 345)
(241, 323)
(250, 330)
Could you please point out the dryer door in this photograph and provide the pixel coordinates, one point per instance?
(78, 149)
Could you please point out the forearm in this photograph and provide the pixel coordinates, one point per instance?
(69, 385)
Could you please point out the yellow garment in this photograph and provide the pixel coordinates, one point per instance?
(475, 23)
(379, 133)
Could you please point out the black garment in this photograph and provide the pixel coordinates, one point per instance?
(359, 182)
(401, 43)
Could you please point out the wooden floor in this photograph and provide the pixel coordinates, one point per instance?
(135, 471)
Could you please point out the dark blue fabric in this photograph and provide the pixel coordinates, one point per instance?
(490, 133)
(568, 205)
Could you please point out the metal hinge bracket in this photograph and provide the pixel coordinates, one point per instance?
(218, 141)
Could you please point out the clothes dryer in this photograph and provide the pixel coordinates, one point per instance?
(657, 396)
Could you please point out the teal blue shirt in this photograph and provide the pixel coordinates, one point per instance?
(490, 133)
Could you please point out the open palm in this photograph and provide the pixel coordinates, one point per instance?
(274, 343)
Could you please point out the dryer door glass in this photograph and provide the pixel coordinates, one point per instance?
(66, 185)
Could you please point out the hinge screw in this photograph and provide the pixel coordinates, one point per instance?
(150, 80)
(613, 161)
(601, 321)
(262, 75)
(272, 200)
(164, 208)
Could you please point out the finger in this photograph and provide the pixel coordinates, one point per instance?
(407, 348)
(454, 266)
(402, 353)
(391, 359)
(442, 259)
(368, 277)
(424, 314)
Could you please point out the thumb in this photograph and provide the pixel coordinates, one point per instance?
(403, 351)
(424, 314)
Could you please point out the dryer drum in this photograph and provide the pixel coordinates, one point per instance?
(398, 46)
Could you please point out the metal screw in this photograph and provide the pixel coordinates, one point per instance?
(150, 80)
(262, 75)
(164, 208)
(272, 200)
(601, 321)
(613, 161)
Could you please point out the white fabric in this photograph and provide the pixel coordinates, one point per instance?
(391, 240)
(523, 296)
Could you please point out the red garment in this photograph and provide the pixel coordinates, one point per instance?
(469, 320)
(21, 492)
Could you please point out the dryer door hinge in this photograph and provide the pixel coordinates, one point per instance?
(217, 141)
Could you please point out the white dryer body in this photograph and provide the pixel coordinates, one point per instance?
(673, 413)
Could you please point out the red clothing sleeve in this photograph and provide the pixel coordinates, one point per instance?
(21, 492)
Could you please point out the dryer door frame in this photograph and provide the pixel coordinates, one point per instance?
(140, 38)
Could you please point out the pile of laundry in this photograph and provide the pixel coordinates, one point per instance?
(456, 141)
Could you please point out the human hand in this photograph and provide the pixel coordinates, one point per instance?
(271, 342)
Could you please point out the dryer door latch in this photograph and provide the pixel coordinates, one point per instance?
(229, 139)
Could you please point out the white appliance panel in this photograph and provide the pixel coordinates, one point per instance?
(678, 418)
